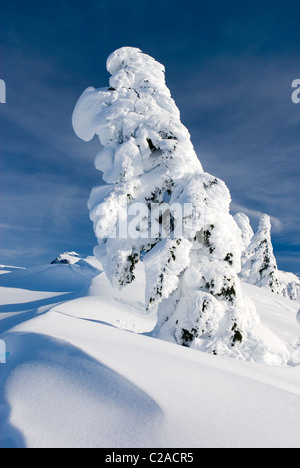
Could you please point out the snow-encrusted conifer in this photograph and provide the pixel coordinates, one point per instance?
(260, 267)
(244, 225)
(293, 290)
(148, 159)
(287, 284)
(247, 233)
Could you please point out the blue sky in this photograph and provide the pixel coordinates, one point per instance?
(229, 66)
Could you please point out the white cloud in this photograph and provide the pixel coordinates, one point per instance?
(256, 214)
(21, 253)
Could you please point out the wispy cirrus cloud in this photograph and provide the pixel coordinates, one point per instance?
(19, 254)
(245, 129)
(46, 171)
(255, 214)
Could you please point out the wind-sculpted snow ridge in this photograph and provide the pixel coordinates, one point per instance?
(159, 205)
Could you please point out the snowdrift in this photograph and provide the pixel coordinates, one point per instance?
(84, 372)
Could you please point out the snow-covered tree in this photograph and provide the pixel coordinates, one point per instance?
(244, 225)
(247, 233)
(293, 290)
(192, 256)
(260, 267)
(256, 249)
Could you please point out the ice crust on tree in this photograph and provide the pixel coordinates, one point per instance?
(148, 158)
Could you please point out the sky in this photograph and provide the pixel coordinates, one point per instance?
(230, 67)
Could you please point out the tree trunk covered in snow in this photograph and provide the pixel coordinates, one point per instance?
(193, 254)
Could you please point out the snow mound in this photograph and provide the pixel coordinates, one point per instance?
(4, 269)
(73, 390)
(76, 378)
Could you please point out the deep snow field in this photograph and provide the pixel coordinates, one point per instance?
(83, 372)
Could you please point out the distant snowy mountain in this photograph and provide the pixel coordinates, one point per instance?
(67, 258)
(59, 277)
(73, 258)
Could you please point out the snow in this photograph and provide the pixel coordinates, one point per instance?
(192, 257)
(84, 372)
(290, 285)
(67, 258)
(59, 278)
(259, 266)
(92, 364)
(243, 223)
(4, 269)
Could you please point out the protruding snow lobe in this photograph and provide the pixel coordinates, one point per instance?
(136, 110)
(148, 159)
